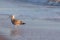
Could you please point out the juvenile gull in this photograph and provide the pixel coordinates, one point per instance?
(15, 21)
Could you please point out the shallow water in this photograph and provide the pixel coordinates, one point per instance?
(42, 22)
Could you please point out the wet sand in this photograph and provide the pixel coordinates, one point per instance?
(4, 37)
(40, 30)
(35, 28)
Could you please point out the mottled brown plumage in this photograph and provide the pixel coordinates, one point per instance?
(15, 21)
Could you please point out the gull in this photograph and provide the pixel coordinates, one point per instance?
(16, 22)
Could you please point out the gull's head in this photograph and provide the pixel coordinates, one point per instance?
(12, 16)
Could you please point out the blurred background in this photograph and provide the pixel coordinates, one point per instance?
(42, 18)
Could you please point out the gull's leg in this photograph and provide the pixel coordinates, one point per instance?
(15, 26)
(15, 29)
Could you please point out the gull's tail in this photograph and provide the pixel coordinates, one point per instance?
(23, 23)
